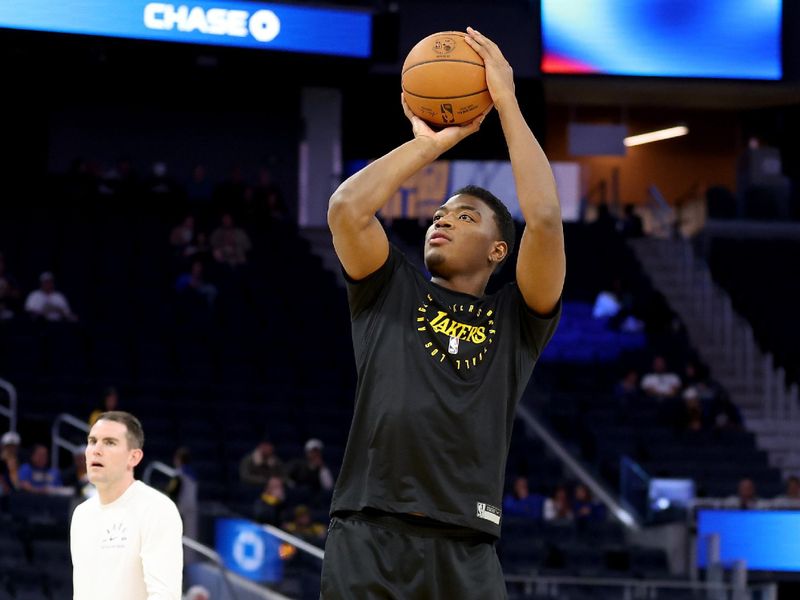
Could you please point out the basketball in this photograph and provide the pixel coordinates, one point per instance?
(444, 80)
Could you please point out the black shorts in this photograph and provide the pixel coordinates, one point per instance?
(382, 556)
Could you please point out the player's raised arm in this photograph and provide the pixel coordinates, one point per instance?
(541, 265)
(358, 237)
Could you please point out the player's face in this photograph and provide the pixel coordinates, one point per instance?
(109, 459)
(462, 237)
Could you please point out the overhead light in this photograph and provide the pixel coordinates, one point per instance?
(656, 136)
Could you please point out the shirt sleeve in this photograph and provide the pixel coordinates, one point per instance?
(162, 552)
(363, 293)
(537, 329)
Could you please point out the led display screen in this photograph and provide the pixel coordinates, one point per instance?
(663, 38)
(255, 25)
(767, 540)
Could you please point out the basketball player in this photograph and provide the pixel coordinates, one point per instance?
(126, 540)
(441, 365)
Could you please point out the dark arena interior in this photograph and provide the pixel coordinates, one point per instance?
(172, 194)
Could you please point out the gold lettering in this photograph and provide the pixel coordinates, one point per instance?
(438, 317)
(478, 335)
(452, 331)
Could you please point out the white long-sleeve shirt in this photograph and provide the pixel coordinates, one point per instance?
(129, 549)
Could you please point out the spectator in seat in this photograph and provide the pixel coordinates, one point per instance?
(110, 403)
(199, 249)
(230, 243)
(585, 507)
(258, 466)
(36, 476)
(521, 503)
(630, 226)
(10, 294)
(77, 477)
(626, 391)
(660, 383)
(270, 505)
(696, 377)
(725, 414)
(311, 473)
(47, 303)
(194, 282)
(558, 507)
(746, 497)
(693, 416)
(182, 235)
(789, 500)
(305, 528)
(9, 462)
(182, 489)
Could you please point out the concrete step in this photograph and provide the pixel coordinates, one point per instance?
(779, 443)
(750, 414)
(775, 427)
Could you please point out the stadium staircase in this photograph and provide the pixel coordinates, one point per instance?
(727, 343)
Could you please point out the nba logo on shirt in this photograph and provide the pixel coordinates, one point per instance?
(453, 347)
(488, 513)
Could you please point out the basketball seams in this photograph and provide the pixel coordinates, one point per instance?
(444, 97)
(441, 60)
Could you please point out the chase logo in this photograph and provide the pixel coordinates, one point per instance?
(263, 25)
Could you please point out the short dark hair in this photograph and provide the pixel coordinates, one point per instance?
(135, 432)
(502, 218)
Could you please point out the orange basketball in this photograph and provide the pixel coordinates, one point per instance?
(444, 80)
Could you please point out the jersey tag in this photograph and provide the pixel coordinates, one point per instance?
(489, 513)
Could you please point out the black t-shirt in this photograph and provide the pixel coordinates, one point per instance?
(440, 374)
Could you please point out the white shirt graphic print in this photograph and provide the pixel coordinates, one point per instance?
(129, 549)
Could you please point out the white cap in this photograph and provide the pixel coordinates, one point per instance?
(10, 438)
(314, 444)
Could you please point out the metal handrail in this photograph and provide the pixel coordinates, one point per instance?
(228, 576)
(294, 541)
(11, 411)
(620, 513)
(159, 466)
(60, 442)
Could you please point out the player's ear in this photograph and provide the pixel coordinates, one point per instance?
(498, 252)
(136, 457)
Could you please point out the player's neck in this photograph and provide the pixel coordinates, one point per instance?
(473, 284)
(114, 491)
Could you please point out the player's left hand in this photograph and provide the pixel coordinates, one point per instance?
(499, 74)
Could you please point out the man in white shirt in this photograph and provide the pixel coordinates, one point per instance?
(48, 303)
(660, 383)
(126, 540)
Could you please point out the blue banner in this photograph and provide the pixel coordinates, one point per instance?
(241, 24)
(248, 550)
(767, 540)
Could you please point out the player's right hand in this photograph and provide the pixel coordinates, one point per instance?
(447, 137)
